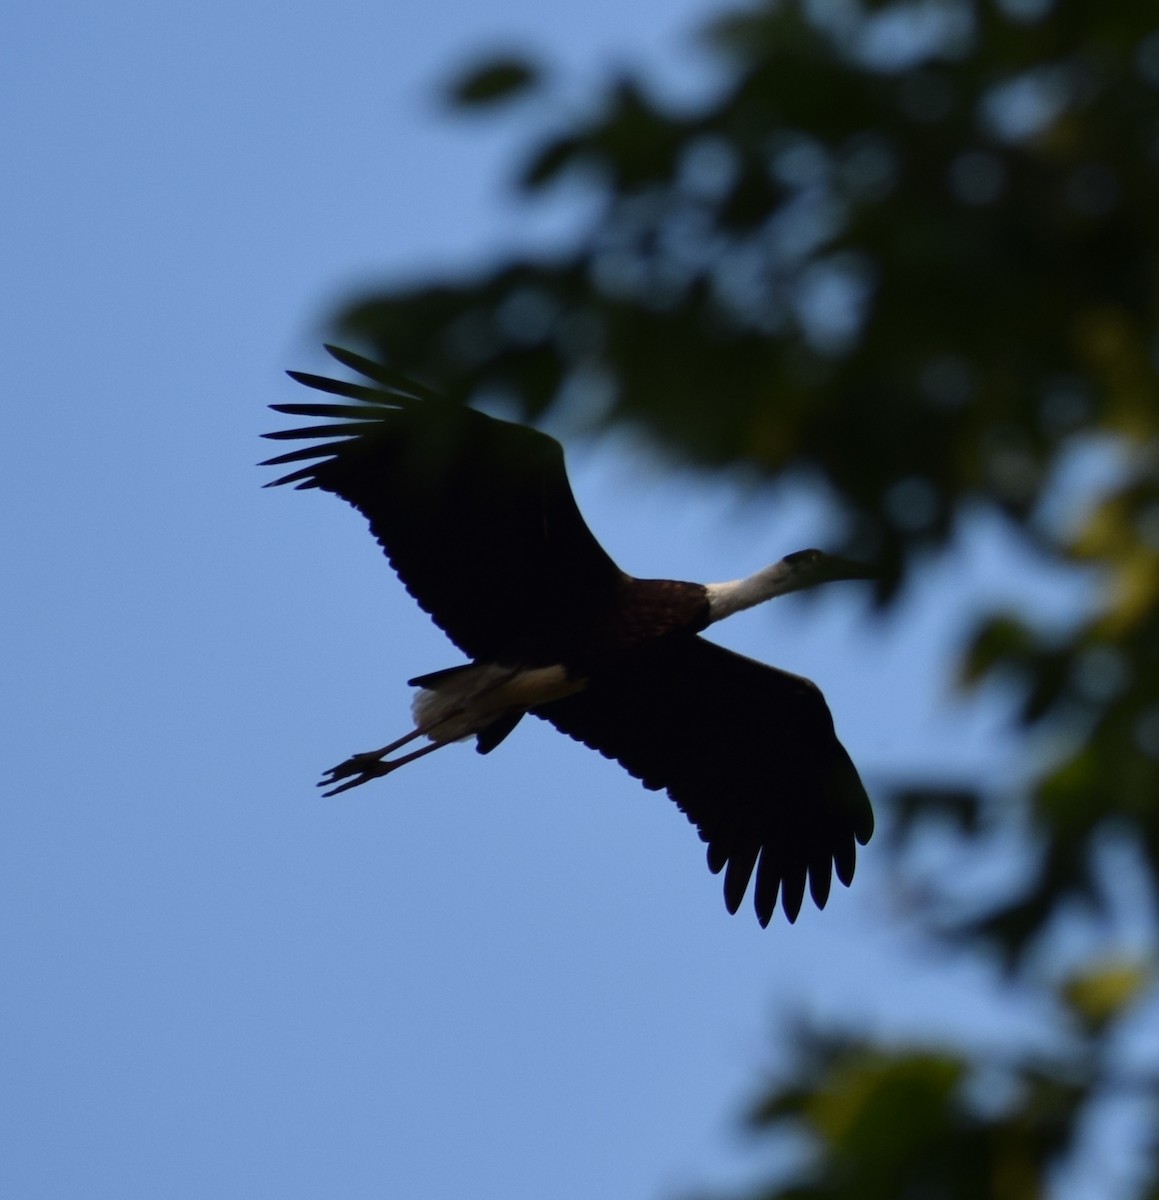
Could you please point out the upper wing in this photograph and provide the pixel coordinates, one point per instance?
(475, 514)
(747, 752)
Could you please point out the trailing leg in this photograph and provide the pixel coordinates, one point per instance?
(373, 765)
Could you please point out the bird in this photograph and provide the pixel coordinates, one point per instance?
(477, 517)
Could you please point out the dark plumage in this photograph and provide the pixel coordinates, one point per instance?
(477, 517)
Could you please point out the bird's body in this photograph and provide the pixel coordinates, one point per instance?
(477, 517)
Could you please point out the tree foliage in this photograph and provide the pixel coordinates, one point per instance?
(911, 252)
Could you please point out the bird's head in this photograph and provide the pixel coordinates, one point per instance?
(808, 568)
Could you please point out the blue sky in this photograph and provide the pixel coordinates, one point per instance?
(505, 976)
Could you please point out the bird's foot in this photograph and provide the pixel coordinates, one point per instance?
(356, 770)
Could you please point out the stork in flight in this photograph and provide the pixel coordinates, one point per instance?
(477, 517)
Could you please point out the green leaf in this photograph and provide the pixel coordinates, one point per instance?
(1099, 995)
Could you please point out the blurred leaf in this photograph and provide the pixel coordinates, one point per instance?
(1002, 641)
(497, 81)
(960, 807)
(917, 1123)
(551, 161)
(1098, 995)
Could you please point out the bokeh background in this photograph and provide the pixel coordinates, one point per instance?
(509, 975)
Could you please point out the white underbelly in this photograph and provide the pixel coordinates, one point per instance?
(467, 701)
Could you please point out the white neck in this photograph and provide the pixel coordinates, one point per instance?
(724, 599)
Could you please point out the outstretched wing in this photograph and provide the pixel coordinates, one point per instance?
(475, 514)
(748, 752)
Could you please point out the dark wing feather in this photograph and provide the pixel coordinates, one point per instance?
(475, 514)
(748, 752)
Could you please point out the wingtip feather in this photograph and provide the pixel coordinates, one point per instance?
(388, 377)
(845, 861)
(793, 893)
(821, 881)
(342, 387)
(737, 876)
(767, 886)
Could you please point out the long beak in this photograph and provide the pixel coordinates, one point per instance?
(835, 568)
